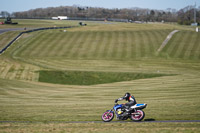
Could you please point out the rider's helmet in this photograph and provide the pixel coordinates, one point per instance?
(127, 95)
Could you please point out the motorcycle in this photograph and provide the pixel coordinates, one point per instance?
(135, 113)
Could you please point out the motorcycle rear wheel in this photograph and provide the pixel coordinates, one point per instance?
(107, 116)
(137, 116)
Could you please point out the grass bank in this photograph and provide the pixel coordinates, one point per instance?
(99, 48)
(91, 78)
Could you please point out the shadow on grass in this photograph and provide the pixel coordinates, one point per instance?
(150, 119)
(92, 78)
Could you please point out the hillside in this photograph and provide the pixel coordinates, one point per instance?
(168, 81)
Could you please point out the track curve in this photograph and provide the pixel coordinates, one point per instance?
(10, 29)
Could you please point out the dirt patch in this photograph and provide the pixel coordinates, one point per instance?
(167, 40)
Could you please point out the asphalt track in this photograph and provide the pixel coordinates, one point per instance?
(6, 30)
(168, 121)
(13, 29)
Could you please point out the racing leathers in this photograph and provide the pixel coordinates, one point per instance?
(131, 101)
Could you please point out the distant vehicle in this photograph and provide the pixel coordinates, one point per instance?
(194, 24)
(82, 24)
(138, 22)
(9, 21)
(136, 113)
(60, 18)
(55, 18)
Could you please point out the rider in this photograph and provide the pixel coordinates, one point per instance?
(131, 101)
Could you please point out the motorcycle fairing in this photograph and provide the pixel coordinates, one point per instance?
(117, 106)
(139, 106)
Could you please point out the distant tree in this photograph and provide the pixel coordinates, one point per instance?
(183, 16)
(5, 14)
(152, 17)
(186, 15)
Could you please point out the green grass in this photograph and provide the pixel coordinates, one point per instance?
(184, 45)
(5, 38)
(101, 127)
(90, 78)
(117, 48)
(93, 45)
(36, 23)
(32, 101)
(124, 44)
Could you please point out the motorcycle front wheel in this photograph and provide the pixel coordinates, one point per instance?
(138, 115)
(107, 116)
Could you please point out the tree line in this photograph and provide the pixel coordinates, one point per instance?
(183, 16)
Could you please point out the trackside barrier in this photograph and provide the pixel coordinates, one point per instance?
(29, 31)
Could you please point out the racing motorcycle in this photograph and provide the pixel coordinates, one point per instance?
(135, 113)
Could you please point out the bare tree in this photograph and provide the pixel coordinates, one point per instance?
(183, 16)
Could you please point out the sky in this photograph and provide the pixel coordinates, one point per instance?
(24, 5)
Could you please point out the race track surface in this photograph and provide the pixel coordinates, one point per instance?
(13, 29)
(6, 30)
(168, 121)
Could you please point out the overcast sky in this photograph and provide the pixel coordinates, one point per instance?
(24, 5)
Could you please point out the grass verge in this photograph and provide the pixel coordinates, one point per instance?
(101, 127)
(91, 78)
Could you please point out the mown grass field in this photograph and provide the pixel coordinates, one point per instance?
(7, 37)
(95, 45)
(184, 45)
(101, 48)
(35, 23)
